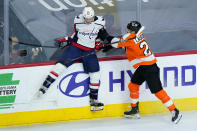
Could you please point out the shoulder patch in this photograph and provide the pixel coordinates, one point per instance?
(100, 21)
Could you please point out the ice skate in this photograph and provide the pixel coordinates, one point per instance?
(133, 113)
(176, 116)
(40, 92)
(95, 105)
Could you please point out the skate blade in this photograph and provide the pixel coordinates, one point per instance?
(136, 116)
(96, 108)
(37, 95)
(178, 119)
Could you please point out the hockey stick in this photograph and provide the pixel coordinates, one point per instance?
(29, 44)
(137, 34)
(24, 52)
(94, 52)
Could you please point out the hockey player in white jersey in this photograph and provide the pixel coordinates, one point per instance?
(87, 28)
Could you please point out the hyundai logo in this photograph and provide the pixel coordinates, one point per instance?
(75, 84)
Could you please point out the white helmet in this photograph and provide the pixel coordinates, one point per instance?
(88, 12)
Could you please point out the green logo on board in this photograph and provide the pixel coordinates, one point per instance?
(7, 90)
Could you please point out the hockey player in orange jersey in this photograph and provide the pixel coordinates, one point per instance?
(144, 68)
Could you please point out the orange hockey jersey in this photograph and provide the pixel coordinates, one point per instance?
(137, 50)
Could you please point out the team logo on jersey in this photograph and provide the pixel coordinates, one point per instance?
(75, 84)
(91, 34)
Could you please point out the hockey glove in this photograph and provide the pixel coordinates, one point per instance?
(63, 42)
(98, 45)
(107, 48)
(114, 43)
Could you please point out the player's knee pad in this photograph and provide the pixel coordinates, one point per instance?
(162, 95)
(57, 70)
(94, 80)
(133, 87)
(134, 90)
(166, 100)
(94, 77)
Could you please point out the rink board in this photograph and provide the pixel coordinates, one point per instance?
(67, 99)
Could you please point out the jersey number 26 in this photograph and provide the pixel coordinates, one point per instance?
(144, 45)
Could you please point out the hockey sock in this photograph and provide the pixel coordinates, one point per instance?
(166, 100)
(49, 80)
(94, 91)
(134, 93)
(94, 94)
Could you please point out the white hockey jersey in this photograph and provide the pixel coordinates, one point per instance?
(86, 34)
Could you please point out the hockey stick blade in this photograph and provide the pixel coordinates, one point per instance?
(140, 30)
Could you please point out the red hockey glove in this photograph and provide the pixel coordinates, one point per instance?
(63, 42)
(98, 45)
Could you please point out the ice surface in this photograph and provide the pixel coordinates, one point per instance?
(156, 122)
